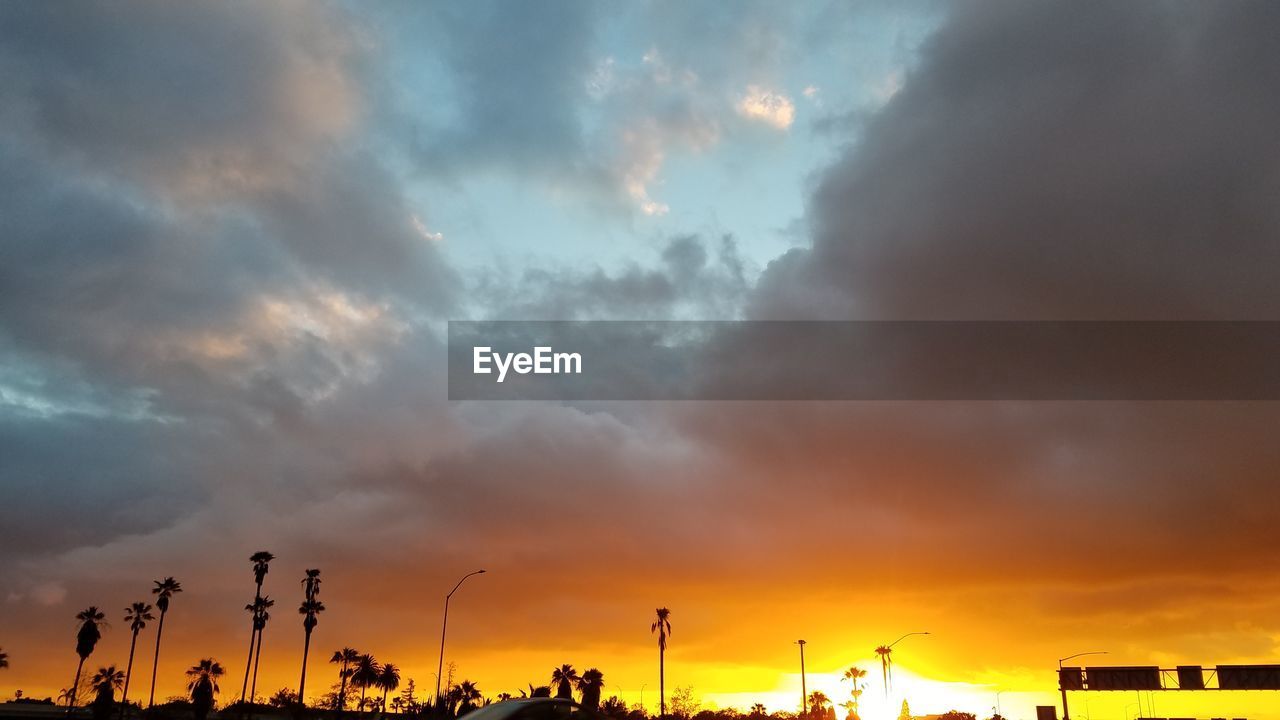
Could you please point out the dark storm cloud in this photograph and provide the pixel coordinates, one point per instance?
(1112, 160)
(197, 240)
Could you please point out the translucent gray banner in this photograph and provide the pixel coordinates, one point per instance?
(892, 360)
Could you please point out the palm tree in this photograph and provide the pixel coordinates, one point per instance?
(163, 590)
(469, 696)
(365, 675)
(855, 675)
(261, 561)
(259, 608)
(87, 638)
(388, 680)
(818, 702)
(563, 678)
(590, 685)
(850, 709)
(662, 626)
(885, 653)
(137, 616)
(104, 683)
(346, 657)
(203, 685)
(310, 608)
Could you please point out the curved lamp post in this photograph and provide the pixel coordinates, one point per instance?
(444, 627)
(1063, 688)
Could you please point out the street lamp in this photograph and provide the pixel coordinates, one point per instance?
(445, 626)
(1062, 687)
(804, 693)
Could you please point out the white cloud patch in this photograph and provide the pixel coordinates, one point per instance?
(421, 228)
(767, 106)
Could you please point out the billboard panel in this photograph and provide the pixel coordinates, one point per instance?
(1190, 677)
(1123, 678)
(1071, 678)
(1249, 677)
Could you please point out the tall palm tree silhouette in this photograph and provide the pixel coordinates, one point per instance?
(590, 685)
(346, 657)
(563, 678)
(885, 653)
(886, 659)
(365, 675)
(388, 680)
(87, 638)
(137, 616)
(259, 608)
(261, 561)
(203, 685)
(163, 590)
(854, 675)
(662, 626)
(310, 608)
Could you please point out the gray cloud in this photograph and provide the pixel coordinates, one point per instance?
(1053, 161)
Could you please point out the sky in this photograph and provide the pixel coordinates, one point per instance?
(231, 235)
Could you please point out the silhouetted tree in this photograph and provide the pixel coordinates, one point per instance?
(662, 626)
(104, 684)
(203, 685)
(261, 564)
(885, 653)
(563, 679)
(758, 711)
(905, 714)
(469, 697)
(388, 680)
(957, 715)
(163, 590)
(284, 698)
(818, 704)
(345, 658)
(137, 616)
(4, 659)
(259, 608)
(854, 675)
(311, 607)
(365, 675)
(87, 638)
(590, 685)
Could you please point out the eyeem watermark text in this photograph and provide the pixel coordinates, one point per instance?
(543, 361)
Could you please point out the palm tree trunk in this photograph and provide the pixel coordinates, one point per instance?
(384, 699)
(302, 684)
(342, 690)
(75, 686)
(128, 672)
(363, 688)
(662, 683)
(151, 699)
(248, 664)
(253, 689)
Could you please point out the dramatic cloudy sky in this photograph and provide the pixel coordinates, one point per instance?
(230, 235)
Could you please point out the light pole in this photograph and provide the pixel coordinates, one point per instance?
(445, 626)
(804, 694)
(998, 703)
(1063, 687)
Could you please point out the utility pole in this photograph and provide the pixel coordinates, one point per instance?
(804, 693)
